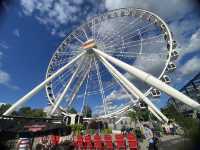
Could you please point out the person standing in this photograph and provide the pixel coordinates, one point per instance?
(148, 134)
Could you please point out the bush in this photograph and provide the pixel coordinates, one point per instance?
(107, 131)
(76, 128)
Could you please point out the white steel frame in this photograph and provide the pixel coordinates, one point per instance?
(104, 58)
(107, 59)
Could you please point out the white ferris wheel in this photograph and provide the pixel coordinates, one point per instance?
(110, 63)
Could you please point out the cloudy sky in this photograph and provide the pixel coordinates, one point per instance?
(30, 31)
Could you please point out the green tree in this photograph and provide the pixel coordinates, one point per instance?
(3, 108)
(72, 110)
(87, 111)
(25, 111)
(190, 125)
(28, 112)
(38, 113)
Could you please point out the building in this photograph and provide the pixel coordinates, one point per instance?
(191, 89)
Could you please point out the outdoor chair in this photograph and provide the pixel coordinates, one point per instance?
(98, 142)
(133, 144)
(120, 142)
(88, 142)
(79, 143)
(108, 142)
(131, 136)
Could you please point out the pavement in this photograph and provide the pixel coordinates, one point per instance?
(167, 142)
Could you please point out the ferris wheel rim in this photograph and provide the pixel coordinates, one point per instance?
(142, 10)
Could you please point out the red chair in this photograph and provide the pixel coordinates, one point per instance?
(88, 142)
(119, 136)
(120, 142)
(132, 144)
(108, 142)
(79, 142)
(55, 139)
(97, 142)
(131, 136)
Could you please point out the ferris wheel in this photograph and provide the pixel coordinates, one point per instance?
(135, 36)
(117, 60)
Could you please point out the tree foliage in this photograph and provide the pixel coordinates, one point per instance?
(72, 110)
(24, 111)
(3, 108)
(190, 125)
(87, 111)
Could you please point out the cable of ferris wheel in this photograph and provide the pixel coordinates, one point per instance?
(36, 89)
(151, 80)
(60, 98)
(86, 88)
(101, 86)
(145, 40)
(134, 32)
(126, 36)
(101, 38)
(123, 27)
(74, 94)
(84, 33)
(131, 88)
(77, 39)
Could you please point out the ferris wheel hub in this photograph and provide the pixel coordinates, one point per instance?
(89, 44)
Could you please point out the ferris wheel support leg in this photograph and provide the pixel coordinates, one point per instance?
(35, 90)
(64, 91)
(131, 88)
(154, 113)
(151, 80)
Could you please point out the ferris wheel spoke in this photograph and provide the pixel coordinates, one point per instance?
(123, 28)
(69, 53)
(134, 33)
(109, 33)
(135, 54)
(76, 89)
(78, 39)
(57, 102)
(86, 88)
(84, 33)
(101, 86)
(61, 81)
(151, 40)
(141, 39)
(65, 75)
(93, 29)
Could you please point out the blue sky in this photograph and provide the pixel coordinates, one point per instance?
(31, 30)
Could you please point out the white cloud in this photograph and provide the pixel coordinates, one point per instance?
(29, 6)
(3, 45)
(167, 8)
(4, 77)
(56, 13)
(5, 80)
(116, 95)
(191, 67)
(193, 44)
(16, 33)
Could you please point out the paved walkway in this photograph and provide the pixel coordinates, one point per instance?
(172, 142)
(167, 142)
